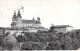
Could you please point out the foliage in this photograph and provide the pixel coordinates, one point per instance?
(8, 41)
(20, 38)
(30, 45)
(67, 41)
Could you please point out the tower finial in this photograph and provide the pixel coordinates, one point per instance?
(22, 8)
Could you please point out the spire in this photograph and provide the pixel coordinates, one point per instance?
(18, 11)
(19, 14)
(14, 16)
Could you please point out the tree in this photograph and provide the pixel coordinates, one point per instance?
(20, 38)
(8, 41)
(26, 46)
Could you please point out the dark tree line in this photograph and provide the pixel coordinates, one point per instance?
(67, 41)
(45, 41)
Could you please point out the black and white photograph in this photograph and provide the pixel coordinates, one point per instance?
(39, 25)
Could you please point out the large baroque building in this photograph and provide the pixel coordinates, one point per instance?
(18, 22)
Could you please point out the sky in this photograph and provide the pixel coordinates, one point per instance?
(57, 12)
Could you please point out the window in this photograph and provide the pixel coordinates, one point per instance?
(27, 24)
(24, 25)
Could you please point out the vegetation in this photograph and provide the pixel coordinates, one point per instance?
(8, 41)
(51, 41)
(44, 41)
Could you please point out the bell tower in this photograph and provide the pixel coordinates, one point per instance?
(19, 17)
(14, 20)
(14, 17)
(19, 14)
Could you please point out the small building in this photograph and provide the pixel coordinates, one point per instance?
(2, 31)
(61, 28)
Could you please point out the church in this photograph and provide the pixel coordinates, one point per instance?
(19, 23)
(25, 25)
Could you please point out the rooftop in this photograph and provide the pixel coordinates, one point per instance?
(61, 26)
(31, 21)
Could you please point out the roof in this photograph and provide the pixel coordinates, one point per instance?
(61, 26)
(31, 21)
(4, 27)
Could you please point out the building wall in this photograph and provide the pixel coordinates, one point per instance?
(19, 32)
(60, 30)
(33, 30)
(21, 25)
(10, 31)
(63, 30)
(1, 32)
(69, 29)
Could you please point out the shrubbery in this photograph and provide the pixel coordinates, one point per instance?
(68, 41)
(46, 41)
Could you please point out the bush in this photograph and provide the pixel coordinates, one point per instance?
(68, 41)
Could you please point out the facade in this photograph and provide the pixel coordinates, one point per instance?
(76, 31)
(20, 25)
(61, 28)
(2, 31)
(18, 22)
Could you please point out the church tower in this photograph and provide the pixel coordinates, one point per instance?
(19, 17)
(14, 20)
(14, 17)
(19, 14)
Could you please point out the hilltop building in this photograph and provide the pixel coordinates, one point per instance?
(18, 22)
(61, 28)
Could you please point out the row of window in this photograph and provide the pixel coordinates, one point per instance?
(61, 29)
(28, 25)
